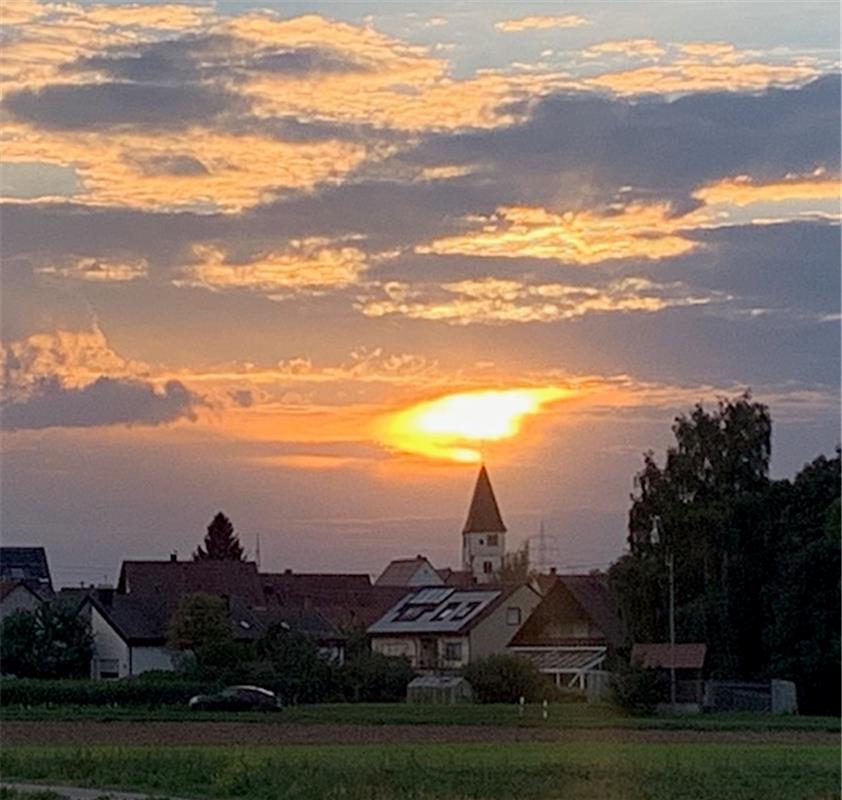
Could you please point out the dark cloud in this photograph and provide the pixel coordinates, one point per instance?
(199, 58)
(155, 106)
(576, 149)
(106, 401)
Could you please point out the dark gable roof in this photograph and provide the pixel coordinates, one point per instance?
(26, 564)
(171, 580)
(7, 587)
(401, 571)
(462, 579)
(663, 656)
(138, 620)
(314, 584)
(573, 597)
(484, 514)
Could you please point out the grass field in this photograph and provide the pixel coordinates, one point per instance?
(565, 715)
(578, 771)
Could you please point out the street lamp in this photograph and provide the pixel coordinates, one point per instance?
(657, 538)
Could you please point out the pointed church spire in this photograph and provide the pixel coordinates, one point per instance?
(484, 514)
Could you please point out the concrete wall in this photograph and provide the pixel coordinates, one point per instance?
(19, 599)
(494, 632)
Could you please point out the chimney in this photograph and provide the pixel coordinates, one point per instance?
(287, 571)
(553, 570)
(174, 556)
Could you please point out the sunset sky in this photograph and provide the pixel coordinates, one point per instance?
(308, 263)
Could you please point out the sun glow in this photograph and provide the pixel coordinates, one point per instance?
(447, 427)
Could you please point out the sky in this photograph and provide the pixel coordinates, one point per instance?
(309, 263)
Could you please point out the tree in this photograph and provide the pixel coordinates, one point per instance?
(515, 568)
(709, 498)
(301, 674)
(221, 543)
(200, 625)
(53, 641)
(505, 678)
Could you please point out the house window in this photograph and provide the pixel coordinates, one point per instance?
(487, 567)
(109, 668)
(453, 651)
(492, 540)
(513, 616)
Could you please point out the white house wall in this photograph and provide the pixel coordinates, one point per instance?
(109, 647)
(492, 634)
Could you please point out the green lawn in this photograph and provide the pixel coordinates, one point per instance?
(577, 771)
(564, 715)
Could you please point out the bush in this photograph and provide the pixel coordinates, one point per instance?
(637, 690)
(133, 692)
(505, 678)
(375, 678)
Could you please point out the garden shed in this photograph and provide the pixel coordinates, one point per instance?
(439, 690)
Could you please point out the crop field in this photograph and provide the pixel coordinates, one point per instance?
(584, 770)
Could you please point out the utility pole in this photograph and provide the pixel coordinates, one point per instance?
(257, 552)
(670, 562)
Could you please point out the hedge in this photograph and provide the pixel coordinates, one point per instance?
(133, 692)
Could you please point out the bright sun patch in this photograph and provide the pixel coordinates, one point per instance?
(454, 426)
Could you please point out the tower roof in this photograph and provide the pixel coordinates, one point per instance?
(484, 514)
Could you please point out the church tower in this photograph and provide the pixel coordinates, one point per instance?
(484, 534)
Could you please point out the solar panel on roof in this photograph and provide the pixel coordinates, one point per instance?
(435, 595)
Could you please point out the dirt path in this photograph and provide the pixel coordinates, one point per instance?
(254, 733)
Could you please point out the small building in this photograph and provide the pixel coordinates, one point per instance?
(443, 628)
(17, 596)
(569, 634)
(409, 573)
(27, 565)
(441, 690)
(688, 661)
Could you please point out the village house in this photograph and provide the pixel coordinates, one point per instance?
(27, 565)
(571, 631)
(409, 573)
(444, 628)
(17, 596)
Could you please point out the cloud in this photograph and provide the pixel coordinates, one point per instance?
(309, 265)
(743, 190)
(97, 270)
(106, 401)
(75, 107)
(635, 231)
(535, 23)
(491, 301)
(632, 48)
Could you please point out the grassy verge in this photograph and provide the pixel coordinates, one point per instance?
(565, 715)
(444, 772)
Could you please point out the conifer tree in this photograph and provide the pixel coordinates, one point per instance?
(221, 542)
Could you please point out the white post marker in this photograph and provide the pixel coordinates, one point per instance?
(544, 709)
(520, 706)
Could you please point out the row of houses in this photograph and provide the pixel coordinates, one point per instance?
(438, 619)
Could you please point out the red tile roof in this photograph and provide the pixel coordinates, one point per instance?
(484, 514)
(663, 655)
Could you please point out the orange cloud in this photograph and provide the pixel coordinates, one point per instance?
(585, 237)
(97, 270)
(308, 265)
(494, 301)
(744, 191)
(638, 48)
(534, 23)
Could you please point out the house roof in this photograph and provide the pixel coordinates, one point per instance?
(312, 584)
(401, 571)
(26, 564)
(170, 580)
(590, 596)
(438, 610)
(664, 655)
(7, 587)
(462, 579)
(483, 514)
(251, 623)
(138, 619)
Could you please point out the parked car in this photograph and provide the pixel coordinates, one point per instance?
(237, 698)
